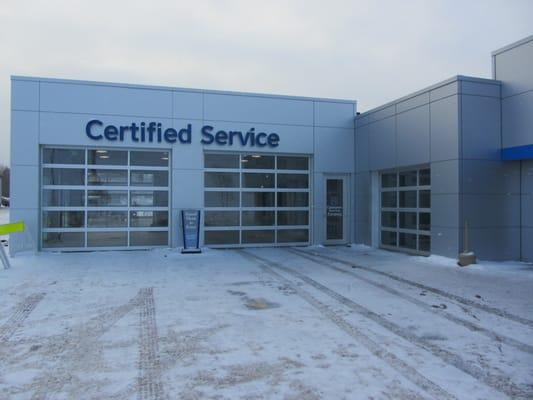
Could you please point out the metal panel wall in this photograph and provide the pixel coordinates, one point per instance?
(55, 111)
(513, 65)
(454, 127)
(422, 128)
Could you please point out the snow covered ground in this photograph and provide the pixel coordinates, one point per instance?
(305, 323)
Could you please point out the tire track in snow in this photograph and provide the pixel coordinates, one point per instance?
(450, 317)
(459, 299)
(499, 383)
(68, 349)
(149, 380)
(410, 373)
(22, 311)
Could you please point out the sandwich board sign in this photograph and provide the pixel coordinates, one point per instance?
(190, 224)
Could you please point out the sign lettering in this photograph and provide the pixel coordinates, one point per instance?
(155, 132)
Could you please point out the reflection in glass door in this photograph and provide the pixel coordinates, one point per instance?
(335, 210)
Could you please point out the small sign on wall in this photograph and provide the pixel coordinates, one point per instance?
(334, 211)
(190, 223)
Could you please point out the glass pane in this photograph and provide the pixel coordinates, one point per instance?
(221, 218)
(63, 176)
(293, 199)
(221, 199)
(295, 181)
(424, 177)
(221, 179)
(334, 209)
(149, 158)
(63, 219)
(148, 219)
(258, 218)
(63, 198)
(388, 199)
(334, 193)
(258, 236)
(221, 161)
(107, 219)
(149, 198)
(293, 218)
(252, 180)
(221, 237)
(149, 178)
(107, 157)
(414, 220)
(424, 243)
(407, 240)
(285, 162)
(408, 178)
(63, 239)
(388, 219)
(424, 199)
(258, 199)
(293, 235)
(407, 199)
(408, 220)
(388, 180)
(388, 238)
(107, 198)
(107, 239)
(424, 221)
(107, 177)
(63, 156)
(257, 161)
(154, 238)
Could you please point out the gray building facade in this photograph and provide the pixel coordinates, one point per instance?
(475, 135)
(513, 66)
(99, 166)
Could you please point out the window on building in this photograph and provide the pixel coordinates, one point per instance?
(104, 198)
(405, 217)
(256, 199)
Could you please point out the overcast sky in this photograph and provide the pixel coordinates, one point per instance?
(370, 51)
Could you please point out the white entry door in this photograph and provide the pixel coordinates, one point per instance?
(337, 206)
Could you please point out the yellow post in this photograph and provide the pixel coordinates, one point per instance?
(11, 228)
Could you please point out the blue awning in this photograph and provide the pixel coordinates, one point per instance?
(518, 153)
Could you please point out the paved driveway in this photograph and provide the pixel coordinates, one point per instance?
(264, 323)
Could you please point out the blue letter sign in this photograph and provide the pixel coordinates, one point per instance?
(155, 132)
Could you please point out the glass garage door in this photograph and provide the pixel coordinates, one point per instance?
(255, 200)
(405, 218)
(104, 198)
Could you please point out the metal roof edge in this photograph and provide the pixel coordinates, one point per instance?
(177, 89)
(512, 45)
(430, 88)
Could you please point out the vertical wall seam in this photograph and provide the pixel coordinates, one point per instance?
(354, 183)
(202, 179)
(520, 209)
(172, 228)
(501, 119)
(461, 163)
(429, 133)
(39, 112)
(314, 199)
(396, 134)
(203, 107)
(39, 173)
